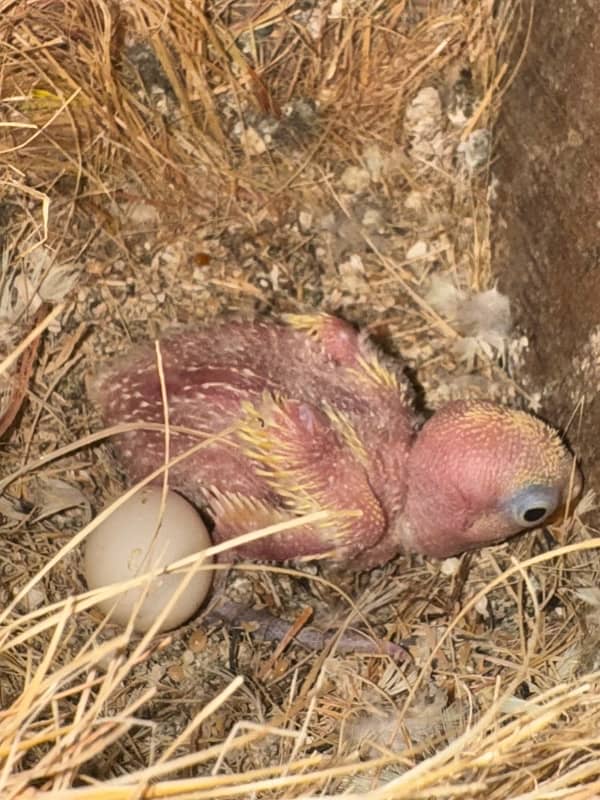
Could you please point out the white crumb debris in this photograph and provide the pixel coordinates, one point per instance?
(476, 149)
(305, 221)
(423, 125)
(374, 162)
(352, 274)
(252, 142)
(274, 274)
(458, 116)
(156, 673)
(337, 9)
(424, 113)
(35, 598)
(372, 219)
(356, 179)
(482, 607)
(141, 213)
(173, 256)
(516, 350)
(418, 251)
(414, 201)
(534, 402)
(492, 189)
(327, 223)
(450, 566)
(160, 100)
(315, 23)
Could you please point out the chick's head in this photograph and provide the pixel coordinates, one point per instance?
(479, 473)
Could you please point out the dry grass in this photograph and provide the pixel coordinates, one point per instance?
(170, 161)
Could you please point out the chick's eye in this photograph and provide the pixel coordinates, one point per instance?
(535, 514)
(532, 505)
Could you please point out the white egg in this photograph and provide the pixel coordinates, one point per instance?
(130, 542)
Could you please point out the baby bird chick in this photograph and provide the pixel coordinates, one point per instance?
(318, 419)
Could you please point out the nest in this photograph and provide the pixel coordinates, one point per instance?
(173, 161)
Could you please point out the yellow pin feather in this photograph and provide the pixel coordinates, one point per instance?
(373, 371)
(310, 323)
(346, 431)
(265, 444)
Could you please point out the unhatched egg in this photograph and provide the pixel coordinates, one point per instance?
(131, 542)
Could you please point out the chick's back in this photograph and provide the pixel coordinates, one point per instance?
(215, 377)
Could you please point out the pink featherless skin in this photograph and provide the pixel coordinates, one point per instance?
(317, 419)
